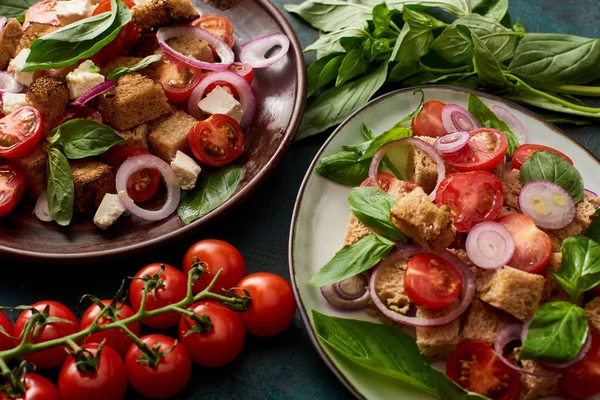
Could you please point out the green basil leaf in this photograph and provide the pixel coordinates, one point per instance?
(403, 70)
(330, 43)
(494, 9)
(81, 138)
(484, 62)
(416, 36)
(345, 168)
(372, 207)
(61, 189)
(213, 190)
(117, 73)
(352, 260)
(558, 119)
(396, 133)
(413, 114)
(458, 8)
(593, 231)
(488, 119)
(376, 49)
(366, 132)
(333, 15)
(556, 333)
(352, 66)
(580, 266)
(15, 8)
(382, 20)
(547, 166)
(388, 351)
(323, 71)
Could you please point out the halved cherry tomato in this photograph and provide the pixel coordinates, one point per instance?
(218, 26)
(473, 196)
(105, 6)
(476, 367)
(485, 151)
(20, 132)
(77, 113)
(12, 186)
(243, 70)
(36, 388)
(582, 379)
(533, 247)
(143, 184)
(6, 342)
(384, 179)
(177, 78)
(432, 282)
(523, 152)
(217, 141)
(429, 121)
(43, 12)
(124, 40)
(225, 85)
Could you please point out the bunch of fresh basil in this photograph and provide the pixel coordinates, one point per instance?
(366, 44)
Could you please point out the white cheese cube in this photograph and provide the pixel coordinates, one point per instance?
(109, 211)
(83, 79)
(140, 2)
(73, 11)
(17, 64)
(219, 101)
(186, 169)
(12, 101)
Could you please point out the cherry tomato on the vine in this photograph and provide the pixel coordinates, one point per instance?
(6, 342)
(36, 388)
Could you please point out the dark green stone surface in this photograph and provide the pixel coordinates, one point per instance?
(287, 366)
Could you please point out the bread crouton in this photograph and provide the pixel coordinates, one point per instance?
(191, 46)
(157, 13)
(119, 62)
(136, 138)
(356, 230)
(171, 135)
(390, 287)
(532, 386)
(134, 101)
(585, 210)
(512, 188)
(483, 321)
(92, 180)
(437, 343)
(50, 96)
(427, 224)
(592, 310)
(33, 167)
(552, 289)
(507, 210)
(422, 169)
(33, 32)
(517, 292)
(145, 46)
(9, 41)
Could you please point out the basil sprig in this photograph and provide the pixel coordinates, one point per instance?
(488, 119)
(61, 189)
(580, 266)
(372, 207)
(15, 8)
(117, 73)
(556, 333)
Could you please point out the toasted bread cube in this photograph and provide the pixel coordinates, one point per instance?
(356, 230)
(507, 210)
(136, 138)
(33, 167)
(517, 292)
(535, 386)
(171, 135)
(437, 343)
(92, 179)
(419, 218)
(585, 212)
(33, 32)
(157, 13)
(483, 322)
(422, 169)
(191, 46)
(592, 310)
(134, 101)
(512, 188)
(50, 96)
(145, 46)
(9, 41)
(118, 62)
(390, 287)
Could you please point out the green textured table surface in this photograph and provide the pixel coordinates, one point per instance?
(287, 366)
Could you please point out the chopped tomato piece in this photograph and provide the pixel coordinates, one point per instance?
(124, 40)
(20, 132)
(384, 179)
(429, 121)
(177, 78)
(432, 282)
(218, 26)
(582, 379)
(243, 70)
(485, 151)
(523, 152)
(143, 184)
(12, 186)
(217, 140)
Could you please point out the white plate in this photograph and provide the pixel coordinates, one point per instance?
(321, 216)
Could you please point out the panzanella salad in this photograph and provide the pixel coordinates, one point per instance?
(104, 100)
(486, 243)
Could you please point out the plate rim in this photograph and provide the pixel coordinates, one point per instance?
(294, 223)
(235, 200)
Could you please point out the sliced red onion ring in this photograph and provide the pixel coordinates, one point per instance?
(421, 145)
(490, 245)
(94, 92)
(8, 83)
(456, 119)
(42, 210)
(513, 122)
(349, 294)
(590, 193)
(247, 97)
(512, 333)
(467, 295)
(452, 142)
(547, 204)
(143, 161)
(254, 52)
(221, 48)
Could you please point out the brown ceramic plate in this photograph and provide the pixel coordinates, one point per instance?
(281, 97)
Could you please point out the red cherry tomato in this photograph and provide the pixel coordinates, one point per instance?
(582, 379)
(384, 179)
(523, 152)
(20, 132)
(476, 367)
(166, 379)
(12, 187)
(216, 255)
(172, 289)
(429, 121)
(217, 141)
(273, 305)
(124, 40)
(473, 196)
(484, 151)
(218, 26)
(226, 86)
(43, 12)
(222, 343)
(533, 247)
(432, 282)
(115, 338)
(243, 70)
(109, 381)
(55, 356)
(105, 6)
(143, 184)
(77, 113)
(177, 78)
(36, 388)
(6, 342)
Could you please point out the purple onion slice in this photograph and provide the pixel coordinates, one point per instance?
(547, 204)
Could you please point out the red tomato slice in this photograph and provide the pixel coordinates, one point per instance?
(523, 152)
(105, 6)
(143, 184)
(473, 196)
(582, 379)
(178, 79)
(43, 13)
(20, 132)
(384, 179)
(476, 367)
(217, 140)
(224, 85)
(243, 70)
(432, 282)
(533, 247)
(124, 40)
(485, 151)
(218, 26)
(429, 121)
(12, 186)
